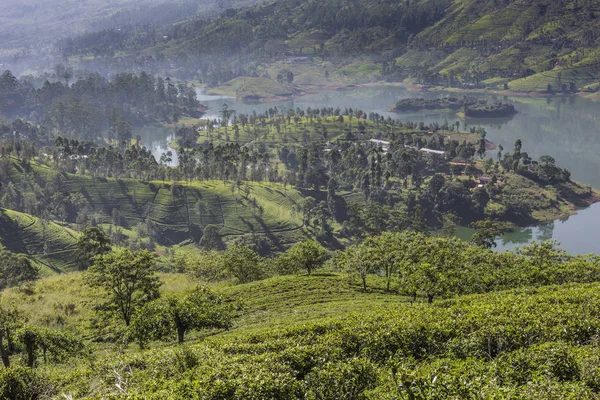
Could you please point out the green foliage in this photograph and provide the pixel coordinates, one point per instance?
(243, 263)
(57, 345)
(303, 256)
(93, 242)
(205, 266)
(11, 320)
(441, 267)
(127, 279)
(211, 238)
(15, 269)
(201, 309)
(342, 380)
(486, 231)
(21, 383)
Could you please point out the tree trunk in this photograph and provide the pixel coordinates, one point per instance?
(3, 352)
(30, 350)
(180, 334)
(414, 297)
(387, 287)
(364, 281)
(429, 298)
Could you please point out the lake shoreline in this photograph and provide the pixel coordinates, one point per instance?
(412, 87)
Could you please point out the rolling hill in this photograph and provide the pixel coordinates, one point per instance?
(538, 45)
(321, 335)
(179, 212)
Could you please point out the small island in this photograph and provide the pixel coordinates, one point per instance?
(467, 107)
(494, 110)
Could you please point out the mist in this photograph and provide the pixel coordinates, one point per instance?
(31, 31)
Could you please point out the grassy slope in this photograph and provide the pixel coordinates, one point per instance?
(25, 234)
(254, 88)
(274, 302)
(175, 215)
(137, 200)
(294, 321)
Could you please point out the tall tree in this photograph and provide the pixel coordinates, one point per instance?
(128, 279)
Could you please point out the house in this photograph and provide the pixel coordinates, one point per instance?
(484, 180)
(431, 151)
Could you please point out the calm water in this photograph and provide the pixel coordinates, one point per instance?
(568, 128)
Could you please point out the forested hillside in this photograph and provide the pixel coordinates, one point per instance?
(539, 45)
(21, 20)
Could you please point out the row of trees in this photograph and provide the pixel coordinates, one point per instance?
(443, 267)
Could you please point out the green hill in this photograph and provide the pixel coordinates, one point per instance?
(321, 337)
(48, 245)
(529, 45)
(178, 211)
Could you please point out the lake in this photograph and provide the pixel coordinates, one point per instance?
(568, 128)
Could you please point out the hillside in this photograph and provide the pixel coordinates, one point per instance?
(321, 335)
(518, 45)
(172, 206)
(178, 212)
(48, 245)
(38, 23)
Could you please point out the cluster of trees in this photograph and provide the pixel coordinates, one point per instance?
(131, 295)
(420, 103)
(413, 263)
(92, 104)
(494, 110)
(433, 267)
(243, 264)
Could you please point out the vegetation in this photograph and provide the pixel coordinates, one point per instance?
(127, 279)
(419, 104)
(469, 107)
(323, 334)
(292, 253)
(332, 175)
(201, 309)
(93, 104)
(541, 46)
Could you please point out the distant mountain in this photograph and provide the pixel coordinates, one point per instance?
(526, 45)
(37, 24)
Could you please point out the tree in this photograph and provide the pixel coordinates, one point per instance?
(10, 321)
(361, 261)
(211, 239)
(382, 250)
(128, 279)
(93, 242)
(243, 263)
(56, 344)
(418, 220)
(307, 255)
(15, 269)
(201, 309)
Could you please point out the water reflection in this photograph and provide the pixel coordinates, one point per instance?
(157, 139)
